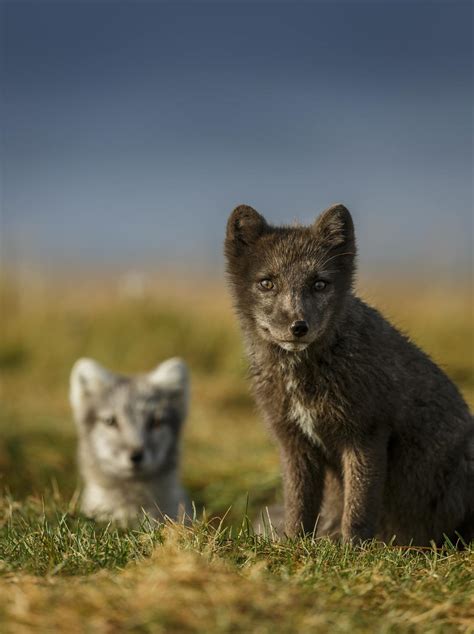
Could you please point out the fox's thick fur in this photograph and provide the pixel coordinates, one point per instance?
(375, 440)
(129, 431)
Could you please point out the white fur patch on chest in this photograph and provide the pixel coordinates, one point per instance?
(305, 420)
(303, 416)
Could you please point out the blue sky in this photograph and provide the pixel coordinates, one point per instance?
(131, 130)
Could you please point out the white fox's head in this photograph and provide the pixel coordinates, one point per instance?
(130, 425)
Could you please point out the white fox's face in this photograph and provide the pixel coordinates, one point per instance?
(131, 425)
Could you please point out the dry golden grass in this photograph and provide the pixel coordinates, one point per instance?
(199, 581)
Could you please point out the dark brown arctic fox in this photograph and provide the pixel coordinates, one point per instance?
(375, 440)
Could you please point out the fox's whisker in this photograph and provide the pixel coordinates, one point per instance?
(337, 255)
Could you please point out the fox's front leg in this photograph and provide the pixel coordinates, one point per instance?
(364, 473)
(303, 481)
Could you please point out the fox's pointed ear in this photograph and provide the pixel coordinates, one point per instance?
(335, 229)
(172, 375)
(87, 378)
(244, 227)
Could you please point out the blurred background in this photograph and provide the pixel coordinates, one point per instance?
(129, 132)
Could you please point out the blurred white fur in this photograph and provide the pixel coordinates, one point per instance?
(129, 431)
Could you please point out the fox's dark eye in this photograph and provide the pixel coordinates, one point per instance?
(266, 284)
(153, 422)
(319, 285)
(110, 420)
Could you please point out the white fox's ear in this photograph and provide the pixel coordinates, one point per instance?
(171, 374)
(87, 378)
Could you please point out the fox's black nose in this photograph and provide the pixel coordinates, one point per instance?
(136, 456)
(299, 328)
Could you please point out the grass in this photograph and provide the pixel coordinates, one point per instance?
(62, 572)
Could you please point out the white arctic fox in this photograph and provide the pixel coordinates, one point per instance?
(129, 432)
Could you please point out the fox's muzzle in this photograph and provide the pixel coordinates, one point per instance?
(299, 328)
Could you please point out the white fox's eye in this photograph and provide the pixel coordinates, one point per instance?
(109, 420)
(153, 422)
(266, 284)
(320, 285)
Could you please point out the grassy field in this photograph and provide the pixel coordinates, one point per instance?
(61, 572)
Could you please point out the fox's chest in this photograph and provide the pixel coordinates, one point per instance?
(306, 420)
(294, 391)
(310, 405)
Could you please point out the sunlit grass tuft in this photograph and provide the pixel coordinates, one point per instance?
(214, 578)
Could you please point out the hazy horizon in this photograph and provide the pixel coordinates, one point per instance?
(131, 130)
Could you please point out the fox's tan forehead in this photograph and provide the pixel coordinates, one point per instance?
(136, 394)
(292, 252)
(288, 265)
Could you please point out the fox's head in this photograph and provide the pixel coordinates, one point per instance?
(291, 283)
(130, 425)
